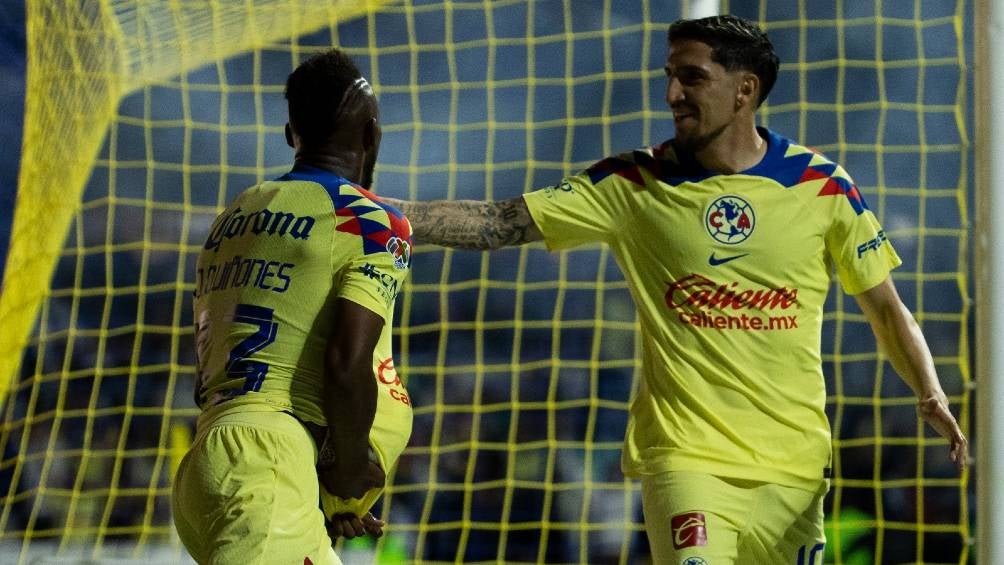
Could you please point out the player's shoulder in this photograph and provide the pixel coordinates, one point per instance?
(359, 213)
(343, 193)
(802, 168)
(792, 164)
(660, 163)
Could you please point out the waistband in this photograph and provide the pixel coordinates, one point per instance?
(271, 420)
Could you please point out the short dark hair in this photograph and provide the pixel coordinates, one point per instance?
(314, 91)
(735, 44)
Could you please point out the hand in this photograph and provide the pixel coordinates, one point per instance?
(351, 483)
(350, 526)
(933, 408)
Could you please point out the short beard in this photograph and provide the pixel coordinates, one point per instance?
(695, 144)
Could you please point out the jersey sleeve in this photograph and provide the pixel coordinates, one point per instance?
(856, 242)
(373, 282)
(582, 208)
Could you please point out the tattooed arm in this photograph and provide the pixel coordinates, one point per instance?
(470, 224)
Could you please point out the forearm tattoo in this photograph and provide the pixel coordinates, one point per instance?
(470, 224)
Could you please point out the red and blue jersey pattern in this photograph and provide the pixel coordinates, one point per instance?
(380, 226)
(787, 163)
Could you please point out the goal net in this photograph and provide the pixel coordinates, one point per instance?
(144, 118)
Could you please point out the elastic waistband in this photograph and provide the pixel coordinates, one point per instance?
(270, 420)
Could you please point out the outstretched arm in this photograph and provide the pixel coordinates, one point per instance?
(901, 339)
(470, 224)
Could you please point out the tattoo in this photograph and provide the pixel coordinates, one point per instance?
(470, 224)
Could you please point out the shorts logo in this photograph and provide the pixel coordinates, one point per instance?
(401, 250)
(730, 219)
(693, 561)
(689, 530)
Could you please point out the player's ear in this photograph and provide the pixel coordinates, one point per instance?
(289, 136)
(749, 86)
(371, 135)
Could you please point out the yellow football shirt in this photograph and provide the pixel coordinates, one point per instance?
(729, 274)
(266, 282)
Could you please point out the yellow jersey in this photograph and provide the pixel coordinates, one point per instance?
(729, 274)
(265, 287)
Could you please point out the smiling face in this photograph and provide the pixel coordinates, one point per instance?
(705, 97)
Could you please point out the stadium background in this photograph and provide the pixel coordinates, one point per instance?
(521, 390)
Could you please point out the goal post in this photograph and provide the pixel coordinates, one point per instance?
(989, 119)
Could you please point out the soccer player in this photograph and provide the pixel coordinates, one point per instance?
(294, 297)
(727, 235)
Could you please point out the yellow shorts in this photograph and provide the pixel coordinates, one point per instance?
(247, 493)
(701, 519)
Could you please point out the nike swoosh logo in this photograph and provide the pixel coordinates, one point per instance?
(715, 261)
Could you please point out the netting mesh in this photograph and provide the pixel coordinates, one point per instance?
(520, 363)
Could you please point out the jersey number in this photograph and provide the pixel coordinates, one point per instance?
(238, 365)
(817, 550)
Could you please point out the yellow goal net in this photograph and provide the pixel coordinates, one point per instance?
(145, 117)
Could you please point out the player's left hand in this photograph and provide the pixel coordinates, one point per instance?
(933, 408)
(351, 483)
(349, 526)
